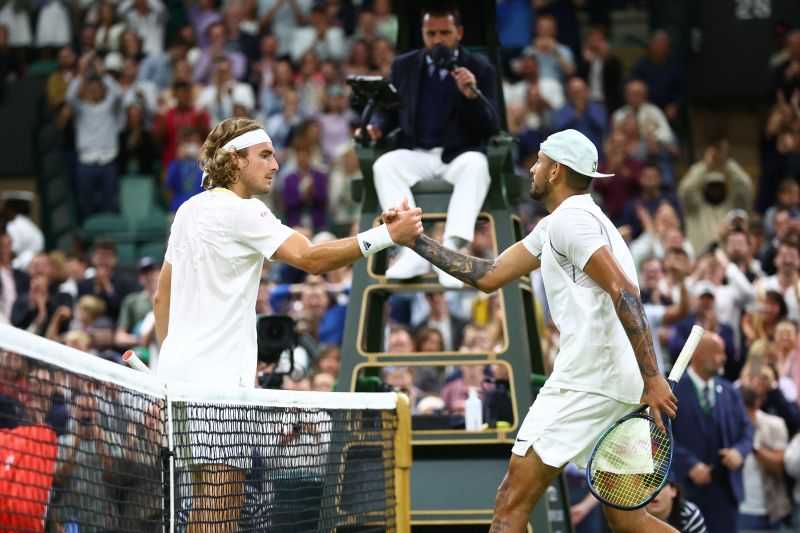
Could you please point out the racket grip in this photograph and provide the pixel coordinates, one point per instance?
(686, 353)
(131, 359)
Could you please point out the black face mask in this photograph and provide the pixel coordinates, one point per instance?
(714, 193)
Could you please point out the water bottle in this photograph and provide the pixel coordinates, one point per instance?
(473, 411)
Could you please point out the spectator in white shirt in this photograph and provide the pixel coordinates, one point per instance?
(327, 41)
(282, 17)
(649, 117)
(224, 93)
(53, 28)
(527, 68)
(109, 28)
(26, 237)
(786, 281)
(148, 18)
(555, 59)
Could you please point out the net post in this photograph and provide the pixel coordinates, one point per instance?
(402, 465)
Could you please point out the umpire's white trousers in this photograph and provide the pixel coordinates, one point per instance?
(397, 171)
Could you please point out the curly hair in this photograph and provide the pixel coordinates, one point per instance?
(220, 165)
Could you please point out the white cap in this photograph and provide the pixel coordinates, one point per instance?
(573, 149)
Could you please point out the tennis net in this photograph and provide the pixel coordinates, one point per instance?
(94, 446)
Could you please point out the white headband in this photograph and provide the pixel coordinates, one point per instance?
(245, 140)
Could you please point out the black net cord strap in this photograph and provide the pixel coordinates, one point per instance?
(284, 462)
(86, 447)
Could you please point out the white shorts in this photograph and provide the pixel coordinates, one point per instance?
(563, 425)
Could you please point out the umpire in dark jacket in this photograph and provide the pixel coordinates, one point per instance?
(444, 129)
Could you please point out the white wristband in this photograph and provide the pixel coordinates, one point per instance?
(374, 240)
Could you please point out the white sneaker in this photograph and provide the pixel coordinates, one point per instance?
(448, 281)
(408, 265)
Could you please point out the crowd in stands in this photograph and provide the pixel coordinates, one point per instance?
(139, 84)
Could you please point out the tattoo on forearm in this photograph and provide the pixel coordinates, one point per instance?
(631, 313)
(467, 268)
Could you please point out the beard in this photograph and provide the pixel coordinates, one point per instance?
(539, 193)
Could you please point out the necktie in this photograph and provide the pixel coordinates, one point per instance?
(707, 398)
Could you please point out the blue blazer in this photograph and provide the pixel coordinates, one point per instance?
(469, 124)
(690, 431)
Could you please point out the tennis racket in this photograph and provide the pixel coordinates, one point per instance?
(630, 462)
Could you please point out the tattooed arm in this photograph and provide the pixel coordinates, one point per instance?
(603, 268)
(487, 275)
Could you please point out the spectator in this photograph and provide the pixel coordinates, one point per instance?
(766, 503)
(785, 280)
(786, 230)
(206, 66)
(712, 438)
(381, 57)
(343, 209)
(527, 68)
(138, 151)
(788, 198)
(16, 24)
(401, 379)
(12, 280)
(335, 120)
(184, 175)
(95, 101)
(328, 42)
(224, 93)
(148, 18)
(451, 129)
(282, 17)
(182, 116)
(239, 35)
(662, 75)
(661, 232)
(137, 91)
(624, 160)
(705, 315)
(58, 81)
(555, 59)
(582, 114)
(531, 122)
(271, 95)
(27, 239)
(322, 382)
(400, 340)
(305, 194)
(429, 339)
(602, 71)
(439, 317)
(109, 28)
(774, 402)
(136, 306)
(130, 45)
(202, 14)
(650, 119)
(281, 124)
(33, 311)
(456, 392)
(661, 313)
(786, 353)
(786, 74)
(53, 27)
(669, 506)
(182, 73)
(310, 83)
(709, 190)
(385, 20)
(89, 317)
(651, 194)
(262, 70)
(107, 283)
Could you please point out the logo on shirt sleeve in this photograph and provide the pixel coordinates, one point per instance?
(367, 246)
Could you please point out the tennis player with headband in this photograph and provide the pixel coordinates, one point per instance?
(606, 365)
(205, 301)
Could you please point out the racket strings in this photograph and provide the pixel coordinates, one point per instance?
(631, 463)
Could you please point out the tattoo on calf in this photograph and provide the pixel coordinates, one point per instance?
(467, 268)
(631, 313)
(500, 526)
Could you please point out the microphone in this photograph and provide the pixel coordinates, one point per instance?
(445, 58)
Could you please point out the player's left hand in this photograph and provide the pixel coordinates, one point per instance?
(659, 396)
(731, 458)
(465, 80)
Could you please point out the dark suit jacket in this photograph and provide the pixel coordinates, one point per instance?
(122, 287)
(612, 81)
(690, 431)
(469, 123)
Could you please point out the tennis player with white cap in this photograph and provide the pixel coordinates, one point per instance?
(606, 365)
(205, 301)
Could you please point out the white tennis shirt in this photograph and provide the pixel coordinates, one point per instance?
(595, 354)
(217, 247)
